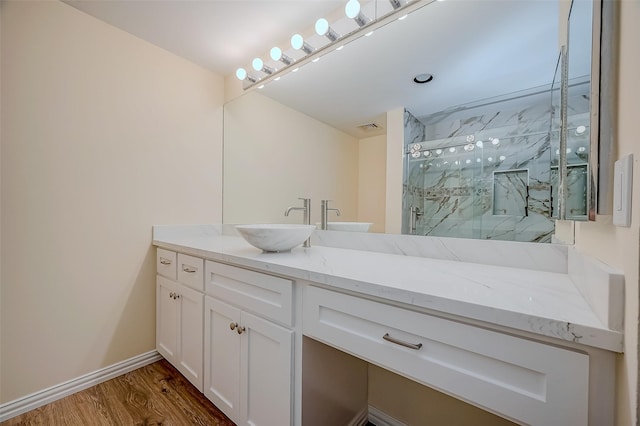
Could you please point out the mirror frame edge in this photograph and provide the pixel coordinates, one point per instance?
(603, 101)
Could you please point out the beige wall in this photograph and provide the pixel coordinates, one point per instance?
(103, 136)
(395, 146)
(372, 181)
(273, 155)
(617, 246)
(414, 404)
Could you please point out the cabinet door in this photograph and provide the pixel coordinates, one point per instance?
(190, 335)
(222, 357)
(266, 373)
(166, 319)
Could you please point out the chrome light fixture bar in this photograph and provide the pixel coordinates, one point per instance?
(353, 10)
(258, 65)
(277, 55)
(298, 43)
(365, 26)
(324, 29)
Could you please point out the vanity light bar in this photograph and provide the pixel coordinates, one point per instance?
(353, 10)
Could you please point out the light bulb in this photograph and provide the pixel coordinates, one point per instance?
(322, 26)
(495, 141)
(297, 41)
(275, 53)
(257, 64)
(502, 158)
(479, 144)
(241, 73)
(352, 8)
(452, 149)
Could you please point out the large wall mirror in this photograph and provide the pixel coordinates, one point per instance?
(469, 153)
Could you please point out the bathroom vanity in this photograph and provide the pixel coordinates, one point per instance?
(528, 332)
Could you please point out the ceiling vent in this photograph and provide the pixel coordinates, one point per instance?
(369, 127)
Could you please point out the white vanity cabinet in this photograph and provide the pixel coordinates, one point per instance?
(179, 316)
(257, 333)
(526, 381)
(248, 345)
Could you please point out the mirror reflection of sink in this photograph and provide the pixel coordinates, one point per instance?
(348, 226)
(274, 237)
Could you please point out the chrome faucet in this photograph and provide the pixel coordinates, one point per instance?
(414, 217)
(306, 218)
(324, 213)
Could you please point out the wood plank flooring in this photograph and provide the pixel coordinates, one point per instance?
(153, 395)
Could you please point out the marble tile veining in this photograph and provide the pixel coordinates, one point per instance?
(468, 169)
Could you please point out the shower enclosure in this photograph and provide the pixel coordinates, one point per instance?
(489, 170)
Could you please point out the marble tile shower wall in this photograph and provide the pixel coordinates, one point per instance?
(485, 176)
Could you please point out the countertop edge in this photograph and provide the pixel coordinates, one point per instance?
(601, 338)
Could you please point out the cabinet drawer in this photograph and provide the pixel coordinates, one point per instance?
(166, 263)
(526, 381)
(268, 296)
(191, 271)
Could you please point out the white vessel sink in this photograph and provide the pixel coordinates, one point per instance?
(273, 237)
(348, 226)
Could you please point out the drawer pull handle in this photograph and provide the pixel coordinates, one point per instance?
(165, 261)
(415, 346)
(189, 270)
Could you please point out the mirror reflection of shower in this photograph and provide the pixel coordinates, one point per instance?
(488, 170)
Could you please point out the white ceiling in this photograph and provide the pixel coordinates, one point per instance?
(220, 35)
(476, 49)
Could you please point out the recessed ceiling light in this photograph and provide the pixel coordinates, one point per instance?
(422, 78)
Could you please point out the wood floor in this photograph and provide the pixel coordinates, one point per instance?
(153, 395)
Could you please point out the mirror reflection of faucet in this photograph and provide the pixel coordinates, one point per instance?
(324, 213)
(416, 214)
(306, 218)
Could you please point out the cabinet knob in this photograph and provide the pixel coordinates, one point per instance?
(233, 325)
(240, 329)
(171, 295)
(176, 296)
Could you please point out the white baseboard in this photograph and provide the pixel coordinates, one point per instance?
(380, 418)
(360, 419)
(45, 396)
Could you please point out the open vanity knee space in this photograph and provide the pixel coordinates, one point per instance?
(524, 344)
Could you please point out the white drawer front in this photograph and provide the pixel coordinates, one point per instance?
(191, 271)
(525, 381)
(268, 296)
(166, 263)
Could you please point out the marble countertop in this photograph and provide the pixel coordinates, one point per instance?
(539, 302)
